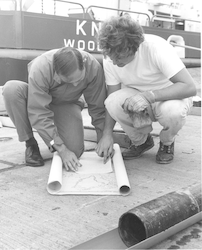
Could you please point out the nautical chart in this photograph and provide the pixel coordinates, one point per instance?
(93, 178)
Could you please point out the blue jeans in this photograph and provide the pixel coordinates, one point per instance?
(170, 114)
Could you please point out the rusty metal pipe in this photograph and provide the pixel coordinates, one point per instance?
(160, 214)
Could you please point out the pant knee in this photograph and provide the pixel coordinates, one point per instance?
(7, 89)
(109, 103)
(115, 101)
(13, 88)
(79, 152)
(173, 115)
(113, 104)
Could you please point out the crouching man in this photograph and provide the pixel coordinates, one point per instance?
(52, 102)
(156, 87)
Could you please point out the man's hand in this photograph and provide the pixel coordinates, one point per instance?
(140, 119)
(139, 102)
(105, 147)
(69, 158)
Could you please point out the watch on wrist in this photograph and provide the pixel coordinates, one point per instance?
(51, 147)
(53, 143)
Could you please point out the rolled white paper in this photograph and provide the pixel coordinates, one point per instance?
(102, 182)
(55, 176)
(120, 171)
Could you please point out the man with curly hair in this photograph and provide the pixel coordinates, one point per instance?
(147, 82)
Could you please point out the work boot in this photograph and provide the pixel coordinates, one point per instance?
(134, 152)
(165, 153)
(33, 157)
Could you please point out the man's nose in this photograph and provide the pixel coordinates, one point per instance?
(75, 84)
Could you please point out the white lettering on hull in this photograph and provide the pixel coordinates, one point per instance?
(81, 44)
(81, 30)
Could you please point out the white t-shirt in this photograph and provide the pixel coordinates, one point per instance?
(155, 62)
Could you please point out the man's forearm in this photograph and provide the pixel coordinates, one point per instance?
(183, 87)
(176, 91)
(109, 124)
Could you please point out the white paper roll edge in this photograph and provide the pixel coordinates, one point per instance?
(120, 171)
(55, 176)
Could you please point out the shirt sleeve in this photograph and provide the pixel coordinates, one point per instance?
(166, 59)
(110, 73)
(39, 99)
(96, 93)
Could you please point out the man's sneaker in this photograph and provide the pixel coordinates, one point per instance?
(134, 152)
(165, 153)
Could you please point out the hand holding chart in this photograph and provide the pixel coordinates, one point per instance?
(93, 178)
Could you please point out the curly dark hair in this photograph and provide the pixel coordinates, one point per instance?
(120, 37)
